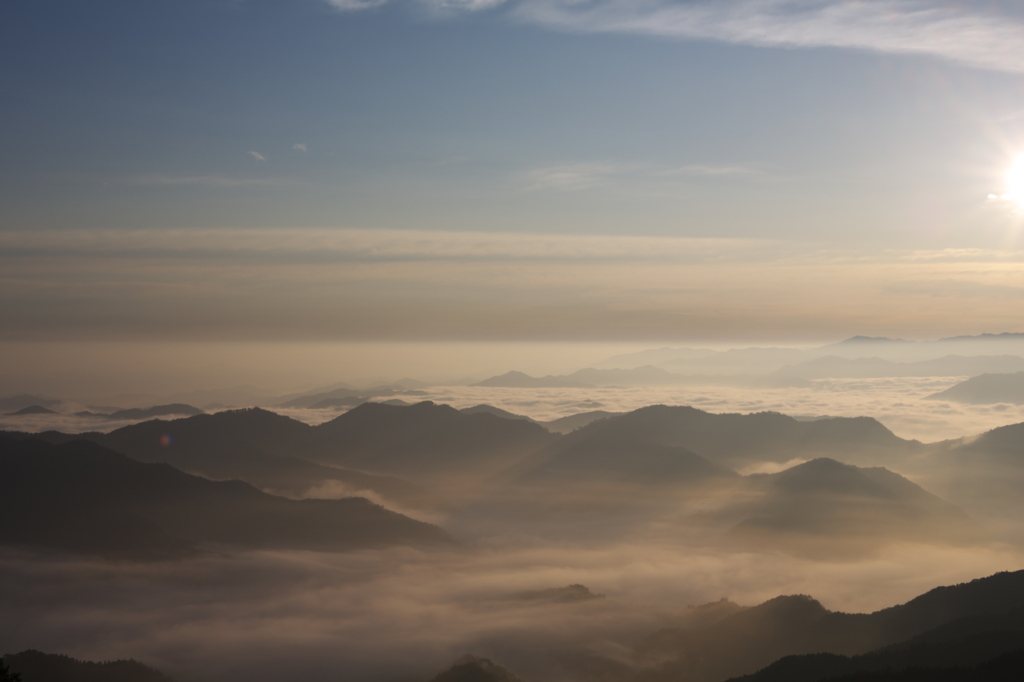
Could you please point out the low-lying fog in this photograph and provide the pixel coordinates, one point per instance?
(405, 615)
(402, 615)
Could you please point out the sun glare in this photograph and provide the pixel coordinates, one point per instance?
(1015, 182)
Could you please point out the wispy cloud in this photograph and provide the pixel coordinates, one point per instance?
(469, 5)
(700, 171)
(570, 177)
(984, 35)
(300, 147)
(351, 5)
(257, 156)
(207, 180)
(971, 33)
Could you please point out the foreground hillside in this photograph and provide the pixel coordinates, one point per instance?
(82, 497)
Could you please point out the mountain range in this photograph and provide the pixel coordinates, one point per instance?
(81, 497)
(949, 633)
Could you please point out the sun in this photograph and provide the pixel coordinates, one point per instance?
(1015, 182)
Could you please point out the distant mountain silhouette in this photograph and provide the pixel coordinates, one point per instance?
(719, 364)
(345, 395)
(425, 439)
(35, 666)
(737, 439)
(654, 356)
(81, 497)
(570, 594)
(1003, 336)
(175, 409)
(751, 639)
(576, 421)
(834, 367)
(516, 379)
(646, 375)
(1004, 444)
(21, 401)
(986, 389)
(496, 411)
(474, 669)
(31, 409)
(335, 394)
(376, 440)
(860, 340)
(253, 445)
(824, 508)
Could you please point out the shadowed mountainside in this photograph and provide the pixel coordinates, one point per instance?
(960, 644)
(81, 497)
(474, 669)
(31, 409)
(743, 641)
(986, 389)
(572, 422)
(250, 444)
(827, 509)
(738, 439)
(425, 439)
(834, 367)
(36, 666)
(175, 409)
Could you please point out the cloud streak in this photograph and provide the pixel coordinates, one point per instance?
(961, 32)
(982, 36)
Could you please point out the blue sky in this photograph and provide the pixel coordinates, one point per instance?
(528, 170)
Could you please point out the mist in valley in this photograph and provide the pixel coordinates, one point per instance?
(561, 552)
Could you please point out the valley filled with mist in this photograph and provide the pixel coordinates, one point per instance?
(671, 514)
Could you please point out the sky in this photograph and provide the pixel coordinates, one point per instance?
(426, 175)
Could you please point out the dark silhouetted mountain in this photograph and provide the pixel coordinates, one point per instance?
(18, 402)
(751, 639)
(1004, 445)
(520, 380)
(474, 669)
(638, 376)
(963, 643)
(252, 445)
(335, 394)
(346, 393)
(824, 508)
(284, 455)
(260, 428)
(569, 594)
(575, 421)
(425, 439)
(590, 459)
(1004, 336)
(31, 409)
(736, 439)
(81, 497)
(739, 361)
(833, 367)
(176, 409)
(985, 474)
(330, 403)
(35, 666)
(496, 411)
(868, 340)
(654, 356)
(986, 389)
